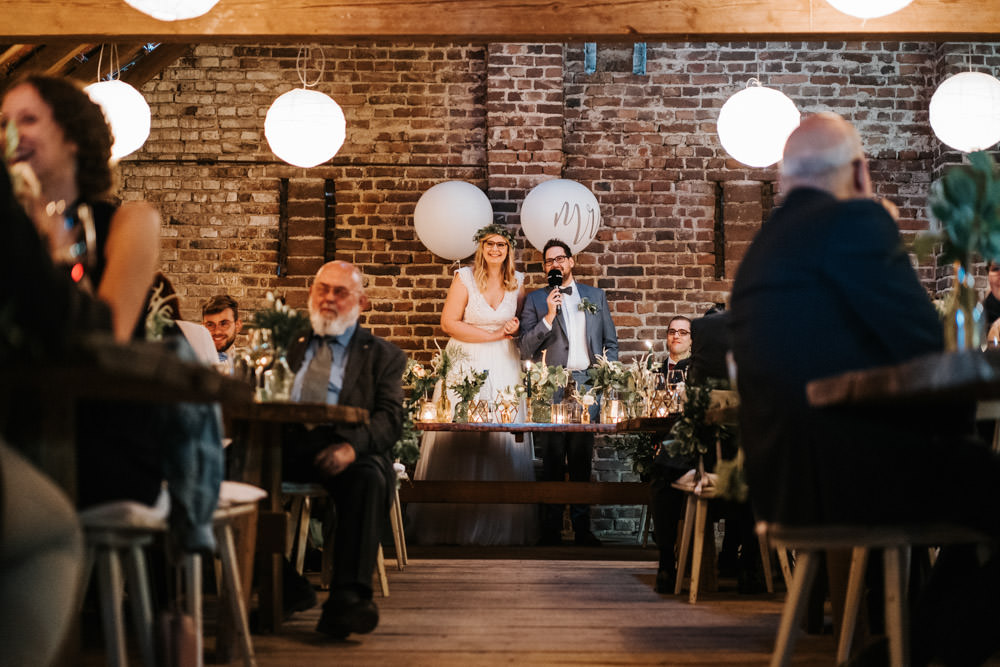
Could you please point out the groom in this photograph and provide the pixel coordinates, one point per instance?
(572, 325)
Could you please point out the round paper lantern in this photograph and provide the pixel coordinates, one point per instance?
(965, 111)
(305, 127)
(755, 123)
(448, 215)
(172, 10)
(560, 209)
(869, 9)
(127, 113)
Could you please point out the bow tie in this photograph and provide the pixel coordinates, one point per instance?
(566, 290)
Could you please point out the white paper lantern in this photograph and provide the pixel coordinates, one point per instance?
(869, 9)
(127, 113)
(965, 111)
(448, 215)
(755, 123)
(305, 127)
(173, 10)
(560, 209)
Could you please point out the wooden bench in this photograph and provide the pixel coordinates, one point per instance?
(585, 493)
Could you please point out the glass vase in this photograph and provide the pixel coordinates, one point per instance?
(541, 412)
(443, 406)
(462, 412)
(279, 380)
(963, 317)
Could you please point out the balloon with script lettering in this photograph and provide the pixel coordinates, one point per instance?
(448, 215)
(560, 209)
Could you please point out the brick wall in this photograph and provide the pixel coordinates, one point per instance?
(678, 213)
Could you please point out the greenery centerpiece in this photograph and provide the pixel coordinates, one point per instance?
(541, 382)
(286, 324)
(965, 211)
(466, 382)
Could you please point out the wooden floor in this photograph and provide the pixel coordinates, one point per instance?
(540, 607)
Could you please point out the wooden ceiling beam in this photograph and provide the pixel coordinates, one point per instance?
(495, 20)
(51, 58)
(88, 72)
(153, 63)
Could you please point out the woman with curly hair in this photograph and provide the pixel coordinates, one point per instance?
(62, 155)
(480, 315)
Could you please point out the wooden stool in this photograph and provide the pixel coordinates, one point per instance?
(126, 528)
(301, 493)
(696, 521)
(894, 541)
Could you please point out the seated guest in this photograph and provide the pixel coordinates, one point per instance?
(678, 348)
(991, 304)
(342, 363)
(827, 287)
(221, 316)
(740, 554)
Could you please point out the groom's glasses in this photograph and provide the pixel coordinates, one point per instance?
(556, 260)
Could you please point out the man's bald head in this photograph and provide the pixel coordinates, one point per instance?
(825, 152)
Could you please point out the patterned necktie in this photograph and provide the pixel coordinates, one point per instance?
(317, 377)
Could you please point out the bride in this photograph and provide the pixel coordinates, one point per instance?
(480, 315)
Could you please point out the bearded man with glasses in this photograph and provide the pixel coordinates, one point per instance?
(572, 325)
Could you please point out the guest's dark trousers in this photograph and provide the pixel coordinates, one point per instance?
(562, 453)
(666, 505)
(360, 497)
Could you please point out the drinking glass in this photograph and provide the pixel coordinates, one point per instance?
(261, 352)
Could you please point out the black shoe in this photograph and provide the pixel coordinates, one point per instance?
(666, 580)
(550, 540)
(586, 539)
(345, 613)
(297, 593)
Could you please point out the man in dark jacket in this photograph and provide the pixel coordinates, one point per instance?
(827, 287)
(343, 363)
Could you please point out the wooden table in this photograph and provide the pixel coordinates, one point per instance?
(953, 376)
(587, 493)
(255, 457)
(101, 369)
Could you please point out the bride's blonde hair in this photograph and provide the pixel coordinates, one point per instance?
(507, 278)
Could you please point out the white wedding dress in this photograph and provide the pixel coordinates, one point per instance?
(478, 456)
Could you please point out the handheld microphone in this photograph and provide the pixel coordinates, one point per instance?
(555, 280)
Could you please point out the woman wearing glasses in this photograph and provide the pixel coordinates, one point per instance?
(480, 315)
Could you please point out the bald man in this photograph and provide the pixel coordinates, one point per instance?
(826, 287)
(343, 363)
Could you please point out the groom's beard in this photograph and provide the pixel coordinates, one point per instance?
(333, 326)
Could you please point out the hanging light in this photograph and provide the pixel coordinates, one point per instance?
(965, 111)
(124, 108)
(754, 124)
(305, 127)
(869, 9)
(173, 10)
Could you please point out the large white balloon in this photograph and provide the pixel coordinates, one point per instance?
(448, 215)
(560, 209)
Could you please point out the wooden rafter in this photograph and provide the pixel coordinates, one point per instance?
(484, 20)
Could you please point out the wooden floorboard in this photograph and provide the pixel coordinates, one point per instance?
(545, 612)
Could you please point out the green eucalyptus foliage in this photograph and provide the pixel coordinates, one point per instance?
(965, 205)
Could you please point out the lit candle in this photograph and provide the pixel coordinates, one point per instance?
(527, 380)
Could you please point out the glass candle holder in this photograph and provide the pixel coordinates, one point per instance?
(479, 411)
(558, 413)
(428, 411)
(507, 412)
(660, 404)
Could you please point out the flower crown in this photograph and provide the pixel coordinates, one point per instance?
(490, 230)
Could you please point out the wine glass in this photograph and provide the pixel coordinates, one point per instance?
(261, 352)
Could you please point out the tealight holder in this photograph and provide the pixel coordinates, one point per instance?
(479, 411)
(660, 406)
(428, 411)
(506, 412)
(558, 413)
